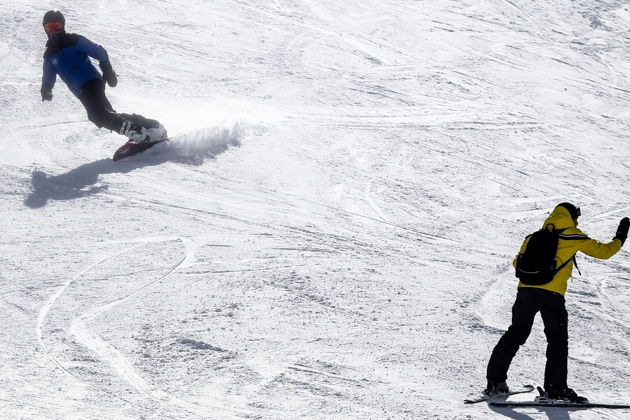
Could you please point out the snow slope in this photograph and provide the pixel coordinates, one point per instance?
(330, 233)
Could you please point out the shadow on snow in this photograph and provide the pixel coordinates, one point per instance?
(191, 149)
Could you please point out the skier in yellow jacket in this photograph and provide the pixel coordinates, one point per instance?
(548, 299)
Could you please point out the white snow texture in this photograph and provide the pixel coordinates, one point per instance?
(330, 232)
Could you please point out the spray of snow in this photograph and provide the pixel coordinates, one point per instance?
(193, 147)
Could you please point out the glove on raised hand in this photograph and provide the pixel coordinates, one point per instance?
(46, 92)
(622, 230)
(108, 73)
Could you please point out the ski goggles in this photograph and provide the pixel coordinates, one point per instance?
(53, 26)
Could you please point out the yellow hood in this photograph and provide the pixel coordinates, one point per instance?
(560, 218)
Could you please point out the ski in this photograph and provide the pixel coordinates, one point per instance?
(525, 389)
(554, 403)
(544, 401)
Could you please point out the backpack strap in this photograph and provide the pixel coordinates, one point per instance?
(565, 263)
(559, 232)
(575, 264)
(571, 237)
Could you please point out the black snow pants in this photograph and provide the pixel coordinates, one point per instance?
(551, 306)
(101, 112)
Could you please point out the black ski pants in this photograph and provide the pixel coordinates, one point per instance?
(101, 112)
(98, 108)
(551, 305)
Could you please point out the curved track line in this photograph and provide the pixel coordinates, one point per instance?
(45, 310)
(43, 313)
(123, 368)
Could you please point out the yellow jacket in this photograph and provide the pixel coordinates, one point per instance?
(571, 240)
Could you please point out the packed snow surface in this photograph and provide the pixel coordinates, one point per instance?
(329, 234)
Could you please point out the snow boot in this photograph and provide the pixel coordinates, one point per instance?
(154, 129)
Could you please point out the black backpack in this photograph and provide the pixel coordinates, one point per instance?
(537, 265)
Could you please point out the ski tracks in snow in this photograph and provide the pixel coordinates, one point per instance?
(108, 354)
(45, 311)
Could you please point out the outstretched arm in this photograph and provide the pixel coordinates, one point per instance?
(601, 250)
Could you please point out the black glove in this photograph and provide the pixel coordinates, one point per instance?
(46, 92)
(108, 73)
(622, 230)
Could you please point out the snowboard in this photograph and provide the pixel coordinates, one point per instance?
(130, 149)
(523, 390)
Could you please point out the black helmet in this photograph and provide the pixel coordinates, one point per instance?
(54, 16)
(573, 210)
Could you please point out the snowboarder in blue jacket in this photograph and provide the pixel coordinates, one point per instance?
(68, 55)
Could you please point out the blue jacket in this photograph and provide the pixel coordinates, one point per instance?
(68, 57)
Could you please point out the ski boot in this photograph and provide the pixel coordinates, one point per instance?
(564, 394)
(496, 388)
